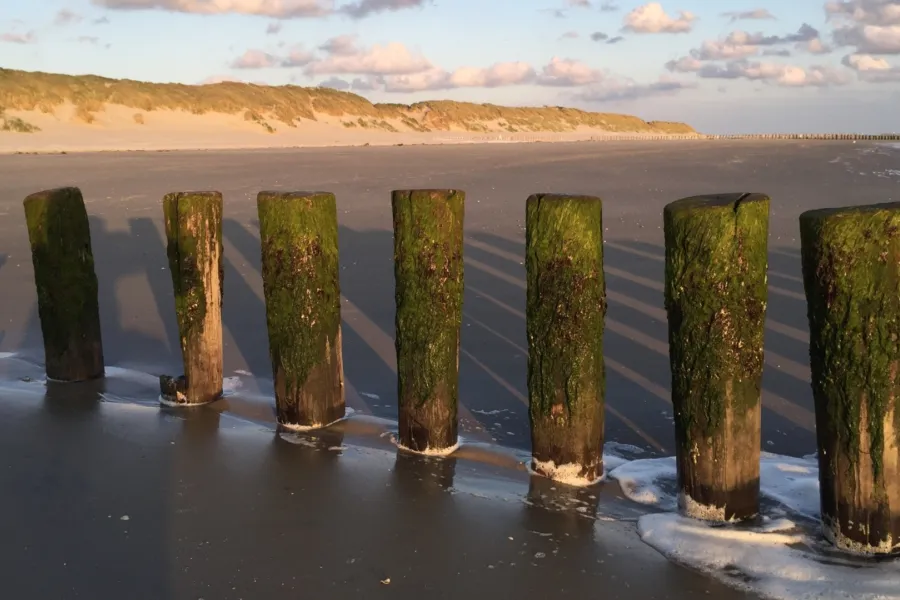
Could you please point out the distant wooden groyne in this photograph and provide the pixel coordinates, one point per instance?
(645, 137)
(886, 137)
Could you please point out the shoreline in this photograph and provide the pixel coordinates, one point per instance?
(287, 142)
(399, 140)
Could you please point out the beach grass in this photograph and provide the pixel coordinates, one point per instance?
(288, 105)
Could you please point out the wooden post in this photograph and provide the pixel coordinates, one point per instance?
(194, 248)
(715, 295)
(300, 270)
(68, 305)
(851, 274)
(565, 312)
(428, 277)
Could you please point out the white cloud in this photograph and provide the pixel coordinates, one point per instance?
(281, 9)
(343, 45)
(775, 73)
(363, 85)
(740, 44)
(558, 72)
(565, 72)
(865, 12)
(67, 17)
(873, 69)
(18, 38)
(865, 62)
(335, 83)
(870, 39)
(747, 15)
(391, 59)
(364, 8)
(273, 28)
(652, 18)
(298, 57)
(815, 46)
(497, 75)
(254, 59)
(736, 45)
(616, 90)
(431, 79)
(579, 3)
(871, 26)
(569, 35)
(685, 64)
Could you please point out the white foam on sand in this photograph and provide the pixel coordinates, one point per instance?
(792, 482)
(315, 426)
(776, 560)
(230, 385)
(650, 482)
(569, 474)
(437, 452)
(5, 355)
(779, 557)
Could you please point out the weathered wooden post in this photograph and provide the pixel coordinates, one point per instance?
(428, 276)
(300, 271)
(565, 313)
(67, 289)
(851, 274)
(715, 295)
(194, 248)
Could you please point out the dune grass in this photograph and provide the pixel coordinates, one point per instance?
(290, 105)
(15, 124)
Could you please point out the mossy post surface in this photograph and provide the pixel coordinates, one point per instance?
(194, 248)
(300, 270)
(428, 277)
(66, 284)
(715, 296)
(565, 314)
(851, 273)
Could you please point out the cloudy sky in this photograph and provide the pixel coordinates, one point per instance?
(722, 65)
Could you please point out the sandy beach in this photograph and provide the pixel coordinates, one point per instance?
(120, 128)
(207, 482)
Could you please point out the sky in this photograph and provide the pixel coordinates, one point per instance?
(745, 66)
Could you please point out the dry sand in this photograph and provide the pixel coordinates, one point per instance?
(120, 128)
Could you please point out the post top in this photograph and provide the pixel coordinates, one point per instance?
(211, 195)
(429, 192)
(554, 197)
(843, 212)
(712, 201)
(292, 195)
(54, 194)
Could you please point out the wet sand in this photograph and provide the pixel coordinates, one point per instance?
(636, 180)
(106, 500)
(215, 508)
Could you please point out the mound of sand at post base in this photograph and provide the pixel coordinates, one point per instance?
(115, 128)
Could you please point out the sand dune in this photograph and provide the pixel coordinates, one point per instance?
(41, 112)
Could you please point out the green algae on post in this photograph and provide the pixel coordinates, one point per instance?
(194, 247)
(851, 274)
(715, 296)
(300, 271)
(565, 313)
(428, 275)
(68, 306)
